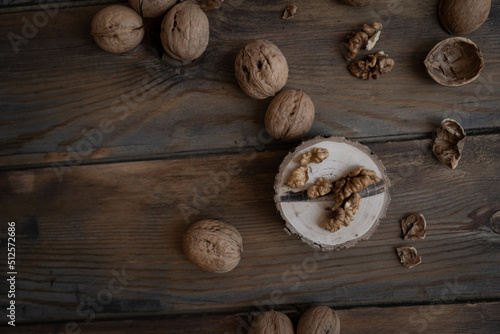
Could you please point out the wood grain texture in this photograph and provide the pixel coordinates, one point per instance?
(59, 85)
(106, 241)
(436, 318)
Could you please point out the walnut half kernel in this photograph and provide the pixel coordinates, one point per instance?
(343, 213)
(317, 155)
(321, 187)
(355, 181)
(365, 38)
(372, 67)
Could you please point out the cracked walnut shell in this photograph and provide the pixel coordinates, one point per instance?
(449, 143)
(151, 8)
(185, 31)
(355, 181)
(319, 320)
(455, 61)
(117, 29)
(413, 227)
(271, 322)
(213, 245)
(261, 69)
(461, 17)
(290, 115)
(373, 66)
(408, 256)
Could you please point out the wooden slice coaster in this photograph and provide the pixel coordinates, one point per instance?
(303, 216)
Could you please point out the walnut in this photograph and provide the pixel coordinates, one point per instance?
(321, 187)
(117, 29)
(298, 178)
(454, 62)
(409, 257)
(213, 245)
(355, 181)
(289, 12)
(261, 69)
(151, 8)
(271, 322)
(413, 227)
(185, 31)
(358, 3)
(343, 213)
(365, 38)
(317, 155)
(319, 320)
(461, 17)
(373, 66)
(449, 142)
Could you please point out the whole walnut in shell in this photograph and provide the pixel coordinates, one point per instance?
(460, 17)
(358, 3)
(213, 245)
(261, 69)
(151, 8)
(117, 29)
(319, 320)
(271, 322)
(290, 115)
(185, 31)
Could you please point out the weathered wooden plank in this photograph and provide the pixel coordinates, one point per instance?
(59, 85)
(106, 241)
(437, 318)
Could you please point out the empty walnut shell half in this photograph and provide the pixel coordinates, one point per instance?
(271, 322)
(454, 62)
(117, 29)
(213, 245)
(319, 320)
(460, 17)
(449, 142)
(261, 69)
(290, 115)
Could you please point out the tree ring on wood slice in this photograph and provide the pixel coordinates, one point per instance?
(304, 216)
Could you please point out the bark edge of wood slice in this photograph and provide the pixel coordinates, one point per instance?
(303, 217)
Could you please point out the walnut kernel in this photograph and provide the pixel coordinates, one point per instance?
(317, 155)
(408, 256)
(373, 66)
(319, 320)
(343, 213)
(298, 178)
(213, 245)
(413, 227)
(449, 143)
(271, 322)
(185, 31)
(365, 38)
(355, 181)
(261, 69)
(321, 187)
(117, 29)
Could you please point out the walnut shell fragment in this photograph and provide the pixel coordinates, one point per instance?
(317, 155)
(461, 17)
(290, 115)
(321, 187)
(185, 31)
(455, 61)
(271, 322)
(373, 66)
(213, 245)
(319, 320)
(355, 181)
(152, 8)
(290, 11)
(117, 29)
(449, 143)
(409, 257)
(414, 227)
(261, 69)
(365, 38)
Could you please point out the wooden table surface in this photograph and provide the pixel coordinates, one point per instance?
(105, 159)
